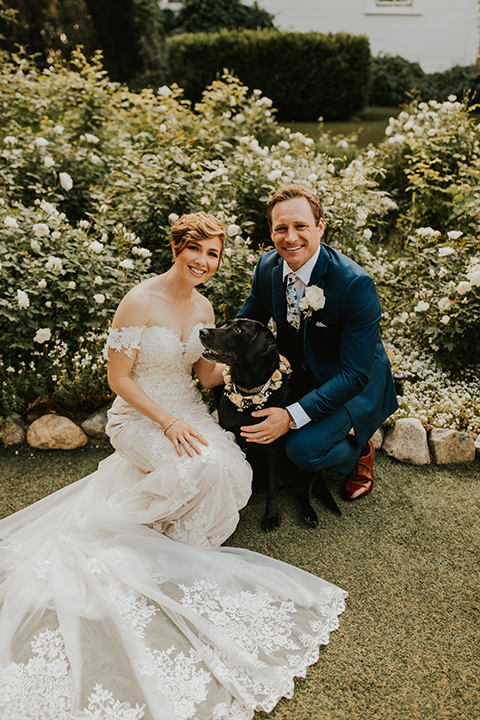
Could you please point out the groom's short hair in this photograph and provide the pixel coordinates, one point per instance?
(289, 192)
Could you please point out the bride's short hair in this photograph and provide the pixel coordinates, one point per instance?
(195, 226)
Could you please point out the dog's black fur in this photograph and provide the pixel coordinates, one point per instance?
(250, 349)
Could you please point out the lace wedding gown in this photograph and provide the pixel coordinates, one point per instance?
(111, 607)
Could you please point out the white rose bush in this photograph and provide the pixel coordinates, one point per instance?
(90, 191)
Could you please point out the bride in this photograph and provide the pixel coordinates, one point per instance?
(117, 600)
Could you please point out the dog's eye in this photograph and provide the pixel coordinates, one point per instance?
(237, 329)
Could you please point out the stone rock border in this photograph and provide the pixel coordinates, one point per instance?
(406, 440)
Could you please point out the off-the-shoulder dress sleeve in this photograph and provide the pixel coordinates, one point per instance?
(126, 339)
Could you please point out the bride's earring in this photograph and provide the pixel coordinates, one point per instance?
(174, 259)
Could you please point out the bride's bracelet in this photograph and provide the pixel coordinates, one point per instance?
(169, 425)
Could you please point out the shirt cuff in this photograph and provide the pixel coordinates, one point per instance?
(299, 415)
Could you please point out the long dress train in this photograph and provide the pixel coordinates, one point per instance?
(117, 601)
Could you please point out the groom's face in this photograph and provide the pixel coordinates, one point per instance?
(294, 233)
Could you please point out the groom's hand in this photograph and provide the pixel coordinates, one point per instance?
(276, 423)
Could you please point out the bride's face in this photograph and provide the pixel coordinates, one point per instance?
(199, 259)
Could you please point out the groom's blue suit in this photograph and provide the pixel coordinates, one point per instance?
(339, 354)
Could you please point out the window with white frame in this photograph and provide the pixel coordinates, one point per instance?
(393, 7)
(394, 3)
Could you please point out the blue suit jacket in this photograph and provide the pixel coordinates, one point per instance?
(341, 342)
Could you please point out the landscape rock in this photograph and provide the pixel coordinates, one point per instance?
(94, 425)
(12, 432)
(377, 438)
(55, 432)
(406, 441)
(451, 446)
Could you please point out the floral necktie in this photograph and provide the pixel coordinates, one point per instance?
(293, 311)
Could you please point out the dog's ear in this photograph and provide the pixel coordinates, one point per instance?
(259, 346)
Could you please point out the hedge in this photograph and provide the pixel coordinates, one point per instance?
(307, 75)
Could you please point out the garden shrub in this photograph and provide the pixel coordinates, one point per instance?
(90, 191)
(307, 75)
(395, 81)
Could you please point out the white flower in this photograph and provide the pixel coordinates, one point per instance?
(96, 247)
(173, 217)
(48, 161)
(41, 229)
(421, 306)
(72, 285)
(143, 252)
(22, 299)
(163, 128)
(99, 298)
(204, 200)
(428, 232)
(10, 222)
(164, 91)
(445, 319)
(53, 263)
(91, 138)
(98, 280)
(233, 230)
(274, 175)
(35, 245)
(65, 181)
(43, 334)
(314, 299)
(444, 303)
(10, 140)
(41, 142)
(452, 98)
(48, 304)
(228, 252)
(96, 160)
(48, 208)
(127, 264)
(42, 283)
(58, 129)
(444, 251)
(474, 277)
(240, 118)
(251, 258)
(403, 317)
(454, 234)
(367, 234)
(463, 287)
(84, 224)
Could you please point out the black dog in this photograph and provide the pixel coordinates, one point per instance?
(257, 378)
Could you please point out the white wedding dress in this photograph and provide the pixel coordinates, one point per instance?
(118, 602)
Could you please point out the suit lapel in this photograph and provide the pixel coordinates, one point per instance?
(317, 278)
(278, 294)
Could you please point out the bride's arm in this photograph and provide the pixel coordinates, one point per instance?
(209, 373)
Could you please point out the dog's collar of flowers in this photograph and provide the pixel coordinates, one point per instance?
(255, 396)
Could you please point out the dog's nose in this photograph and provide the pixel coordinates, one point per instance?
(203, 332)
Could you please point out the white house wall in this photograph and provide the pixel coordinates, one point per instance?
(436, 33)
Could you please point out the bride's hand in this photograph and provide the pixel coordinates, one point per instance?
(183, 435)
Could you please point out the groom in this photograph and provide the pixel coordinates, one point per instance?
(327, 315)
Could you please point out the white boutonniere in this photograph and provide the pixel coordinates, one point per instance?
(313, 300)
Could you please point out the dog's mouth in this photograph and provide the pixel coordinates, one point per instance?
(214, 356)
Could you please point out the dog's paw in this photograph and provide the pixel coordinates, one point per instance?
(310, 517)
(271, 522)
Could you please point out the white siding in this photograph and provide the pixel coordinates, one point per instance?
(436, 33)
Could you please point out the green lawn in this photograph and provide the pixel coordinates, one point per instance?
(408, 554)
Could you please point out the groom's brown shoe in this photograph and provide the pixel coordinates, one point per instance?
(360, 480)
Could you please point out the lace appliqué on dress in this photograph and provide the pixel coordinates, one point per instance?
(42, 688)
(125, 340)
